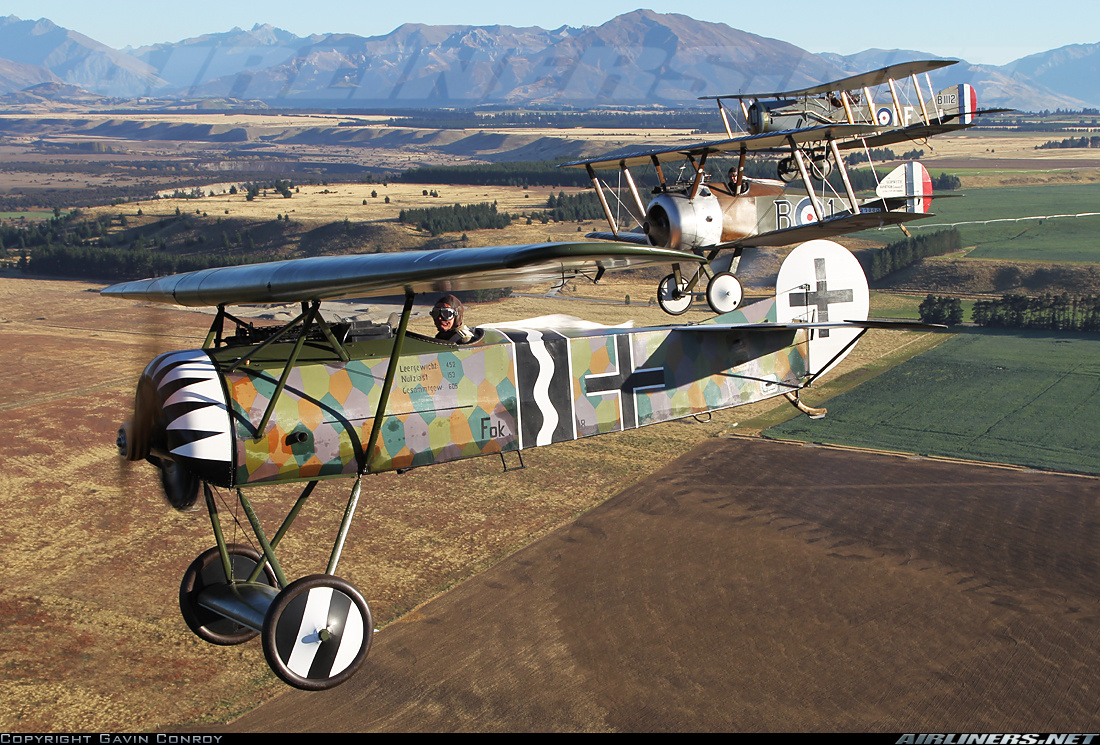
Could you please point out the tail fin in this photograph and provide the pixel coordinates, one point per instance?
(820, 282)
(908, 181)
(958, 100)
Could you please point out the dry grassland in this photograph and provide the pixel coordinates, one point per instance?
(340, 201)
(322, 204)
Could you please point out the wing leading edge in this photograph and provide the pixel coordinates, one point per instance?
(855, 82)
(365, 275)
(754, 143)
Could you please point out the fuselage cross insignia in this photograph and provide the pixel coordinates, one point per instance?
(821, 296)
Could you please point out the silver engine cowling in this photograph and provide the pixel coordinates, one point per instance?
(674, 221)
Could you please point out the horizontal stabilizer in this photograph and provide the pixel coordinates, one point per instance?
(870, 323)
(916, 132)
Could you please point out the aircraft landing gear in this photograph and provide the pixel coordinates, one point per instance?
(674, 299)
(317, 632)
(207, 571)
(724, 293)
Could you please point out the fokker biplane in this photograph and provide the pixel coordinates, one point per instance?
(314, 400)
(697, 214)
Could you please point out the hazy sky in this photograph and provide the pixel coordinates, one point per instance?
(979, 31)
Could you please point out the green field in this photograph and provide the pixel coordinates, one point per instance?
(29, 215)
(1059, 239)
(888, 305)
(1032, 399)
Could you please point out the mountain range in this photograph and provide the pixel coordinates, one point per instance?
(640, 58)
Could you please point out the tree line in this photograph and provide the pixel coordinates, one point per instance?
(574, 207)
(1048, 312)
(941, 309)
(439, 220)
(113, 264)
(881, 153)
(1052, 312)
(900, 254)
(1070, 142)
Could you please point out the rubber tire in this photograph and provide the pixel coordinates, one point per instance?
(724, 293)
(666, 297)
(207, 570)
(330, 663)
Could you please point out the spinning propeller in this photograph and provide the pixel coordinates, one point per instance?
(143, 437)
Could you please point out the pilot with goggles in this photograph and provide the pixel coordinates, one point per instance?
(447, 315)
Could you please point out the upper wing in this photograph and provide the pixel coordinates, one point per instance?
(363, 275)
(875, 77)
(767, 141)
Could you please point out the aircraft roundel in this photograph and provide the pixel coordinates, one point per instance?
(884, 116)
(804, 213)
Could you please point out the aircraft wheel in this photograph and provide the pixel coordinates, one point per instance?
(724, 293)
(787, 170)
(820, 168)
(207, 570)
(317, 632)
(672, 299)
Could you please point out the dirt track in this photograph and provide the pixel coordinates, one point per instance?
(755, 585)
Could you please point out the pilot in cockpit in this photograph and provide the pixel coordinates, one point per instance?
(447, 314)
(731, 181)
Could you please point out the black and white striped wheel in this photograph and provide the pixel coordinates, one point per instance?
(317, 632)
(208, 570)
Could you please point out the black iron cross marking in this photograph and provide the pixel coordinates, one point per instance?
(625, 381)
(821, 296)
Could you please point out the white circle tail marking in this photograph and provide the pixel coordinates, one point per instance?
(822, 282)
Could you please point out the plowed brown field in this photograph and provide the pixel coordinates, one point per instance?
(760, 586)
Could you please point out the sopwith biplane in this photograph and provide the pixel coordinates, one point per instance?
(312, 400)
(906, 114)
(809, 128)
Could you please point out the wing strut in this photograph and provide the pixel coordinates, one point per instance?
(805, 178)
(633, 190)
(740, 171)
(602, 198)
(700, 171)
(847, 107)
(657, 167)
(308, 314)
(387, 386)
(725, 120)
(852, 200)
(897, 102)
(920, 97)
